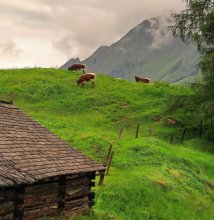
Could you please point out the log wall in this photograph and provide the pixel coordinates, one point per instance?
(67, 195)
(7, 204)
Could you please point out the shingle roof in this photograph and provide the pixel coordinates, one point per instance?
(29, 152)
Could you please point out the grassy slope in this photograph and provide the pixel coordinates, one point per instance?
(149, 178)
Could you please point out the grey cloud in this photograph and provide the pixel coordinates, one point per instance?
(78, 27)
(25, 16)
(9, 48)
(158, 30)
(66, 45)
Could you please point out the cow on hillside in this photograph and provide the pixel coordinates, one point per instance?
(86, 78)
(76, 67)
(143, 80)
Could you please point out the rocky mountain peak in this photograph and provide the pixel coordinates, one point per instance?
(146, 50)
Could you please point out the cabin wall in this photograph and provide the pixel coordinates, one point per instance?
(7, 203)
(66, 195)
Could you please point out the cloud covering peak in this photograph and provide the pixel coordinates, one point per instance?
(60, 29)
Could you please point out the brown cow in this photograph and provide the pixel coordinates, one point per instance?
(86, 77)
(143, 80)
(76, 67)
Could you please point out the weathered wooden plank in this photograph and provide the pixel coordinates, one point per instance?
(36, 200)
(7, 195)
(78, 182)
(44, 188)
(41, 211)
(71, 193)
(75, 203)
(6, 207)
(8, 216)
(82, 210)
(69, 177)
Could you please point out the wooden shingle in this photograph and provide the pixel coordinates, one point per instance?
(29, 152)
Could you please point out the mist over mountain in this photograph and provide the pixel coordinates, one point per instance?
(147, 50)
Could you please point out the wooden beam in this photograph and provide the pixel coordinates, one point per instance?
(78, 182)
(40, 211)
(6, 208)
(75, 203)
(77, 211)
(18, 203)
(62, 190)
(75, 193)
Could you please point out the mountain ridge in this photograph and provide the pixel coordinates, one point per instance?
(146, 50)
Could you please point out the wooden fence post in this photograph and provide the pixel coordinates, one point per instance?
(120, 133)
(108, 155)
(201, 129)
(137, 130)
(183, 134)
(109, 163)
(102, 175)
(171, 138)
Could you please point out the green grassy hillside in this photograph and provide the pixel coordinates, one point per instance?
(149, 178)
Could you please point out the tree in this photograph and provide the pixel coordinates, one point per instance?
(196, 24)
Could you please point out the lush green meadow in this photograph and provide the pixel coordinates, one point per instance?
(149, 177)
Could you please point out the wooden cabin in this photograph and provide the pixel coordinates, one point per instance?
(40, 174)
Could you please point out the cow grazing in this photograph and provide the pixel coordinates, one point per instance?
(76, 67)
(143, 80)
(86, 78)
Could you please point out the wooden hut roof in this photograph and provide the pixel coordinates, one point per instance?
(29, 152)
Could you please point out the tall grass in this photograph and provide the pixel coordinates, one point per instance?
(149, 178)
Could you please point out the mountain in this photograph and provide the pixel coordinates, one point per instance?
(147, 50)
(70, 62)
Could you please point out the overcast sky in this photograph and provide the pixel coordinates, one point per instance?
(49, 32)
